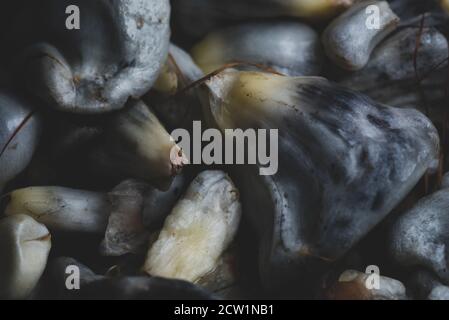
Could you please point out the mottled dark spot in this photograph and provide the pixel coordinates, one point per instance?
(335, 173)
(378, 201)
(380, 123)
(127, 64)
(363, 155)
(342, 223)
(140, 22)
(77, 80)
(14, 146)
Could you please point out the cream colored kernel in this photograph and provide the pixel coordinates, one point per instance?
(208, 54)
(198, 231)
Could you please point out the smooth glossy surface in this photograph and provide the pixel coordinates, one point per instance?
(20, 130)
(290, 48)
(24, 248)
